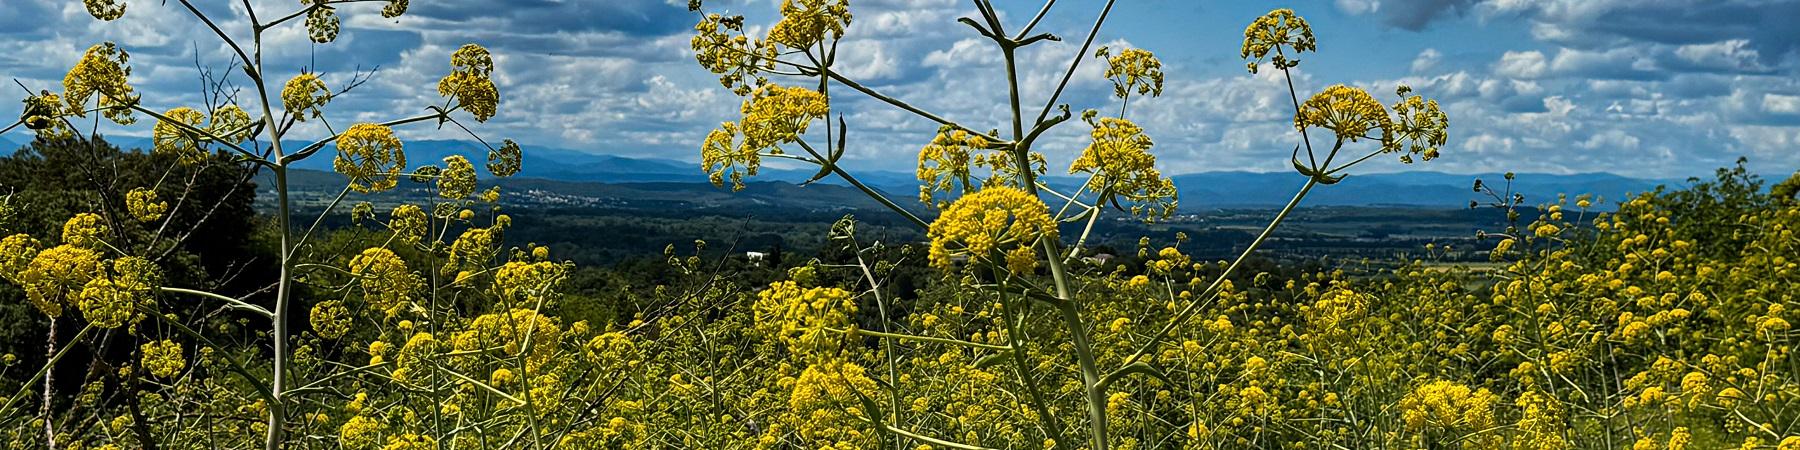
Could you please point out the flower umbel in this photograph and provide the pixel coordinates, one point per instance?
(1280, 27)
(1121, 164)
(103, 70)
(982, 223)
(804, 23)
(1348, 112)
(304, 95)
(470, 82)
(371, 156)
(163, 358)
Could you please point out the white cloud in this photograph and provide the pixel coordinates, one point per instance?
(1525, 64)
(1781, 104)
(1427, 60)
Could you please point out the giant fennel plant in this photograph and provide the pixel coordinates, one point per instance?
(996, 233)
(414, 331)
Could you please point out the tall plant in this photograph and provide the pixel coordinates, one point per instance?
(996, 232)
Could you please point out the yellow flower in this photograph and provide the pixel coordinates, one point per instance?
(806, 22)
(143, 205)
(408, 222)
(16, 253)
(171, 137)
(832, 384)
(230, 123)
(1348, 112)
(395, 8)
(777, 115)
(1448, 405)
(371, 156)
(505, 161)
(944, 164)
(502, 377)
(330, 319)
(470, 82)
(774, 115)
(304, 96)
(733, 58)
(163, 358)
(360, 432)
(107, 10)
(1421, 128)
(1133, 70)
(1119, 158)
(107, 304)
(57, 273)
(387, 283)
(800, 315)
(322, 24)
(103, 70)
(458, 179)
(526, 283)
(44, 114)
(1278, 28)
(472, 250)
(983, 222)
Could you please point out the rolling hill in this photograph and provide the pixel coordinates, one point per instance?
(669, 181)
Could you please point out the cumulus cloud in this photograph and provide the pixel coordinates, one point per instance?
(1651, 88)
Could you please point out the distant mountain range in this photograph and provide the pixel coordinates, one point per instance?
(567, 169)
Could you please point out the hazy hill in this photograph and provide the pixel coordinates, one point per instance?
(671, 181)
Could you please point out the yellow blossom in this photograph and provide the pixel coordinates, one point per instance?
(371, 156)
(163, 358)
(305, 96)
(984, 222)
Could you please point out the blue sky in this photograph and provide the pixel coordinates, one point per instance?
(1654, 88)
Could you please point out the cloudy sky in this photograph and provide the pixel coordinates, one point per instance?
(1657, 88)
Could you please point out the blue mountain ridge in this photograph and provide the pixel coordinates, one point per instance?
(1197, 191)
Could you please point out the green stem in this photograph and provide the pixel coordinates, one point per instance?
(41, 373)
(914, 337)
(235, 303)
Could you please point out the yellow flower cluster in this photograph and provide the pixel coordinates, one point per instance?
(103, 70)
(1450, 406)
(773, 115)
(84, 230)
(163, 358)
(330, 319)
(800, 316)
(55, 274)
(395, 8)
(305, 96)
(458, 178)
(1133, 70)
(44, 114)
(527, 283)
(472, 250)
(388, 285)
(732, 58)
(1421, 127)
(371, 156)
(409, 223)
(505, 161)
(944, 164)
(512, 332)
(175, 135)
(471, 83)
(1119, 159)
(110, 300)
(360, 432)
(805, 23)
(144, 206)
(980, 224)
(1349, 112)
(107, 10)
(1280, 27)
(321, 23)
